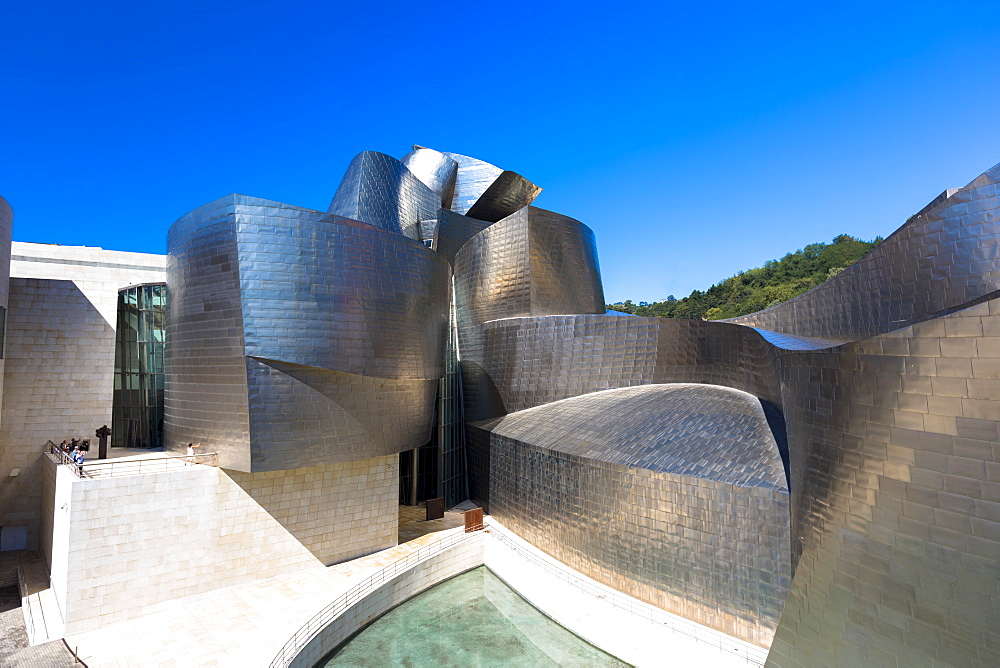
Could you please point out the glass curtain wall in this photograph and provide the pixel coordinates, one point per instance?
(440, 465)
(450, 425)
(139, 341)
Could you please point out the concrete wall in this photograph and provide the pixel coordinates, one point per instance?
(124, 546)
(59, 369)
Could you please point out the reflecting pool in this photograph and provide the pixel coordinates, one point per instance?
(473, 619)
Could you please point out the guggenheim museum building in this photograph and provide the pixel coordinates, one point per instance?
(819, 480)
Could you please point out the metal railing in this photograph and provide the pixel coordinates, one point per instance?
(649, 612)
(322, 619)
(106, 468)
(29, 616)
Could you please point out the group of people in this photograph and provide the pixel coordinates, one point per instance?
(75, 449)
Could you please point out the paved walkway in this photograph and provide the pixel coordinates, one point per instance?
(244, 625)
(413, 525)
(15, 650)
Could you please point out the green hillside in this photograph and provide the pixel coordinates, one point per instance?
(760, 288)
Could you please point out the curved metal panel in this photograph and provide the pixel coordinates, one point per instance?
(517, 363)
(674, 494)
(941, 260)
(534, 262)
(6, 234)
(453, 230)
(335, 417)
(472, 179)
(308, 290)
(434, 169)
(510, 192)
(379, 190)
(205, 393)
(337, 294)
(895, 477)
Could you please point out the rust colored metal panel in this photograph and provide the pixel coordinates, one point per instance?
(473, 520)
(435, 508)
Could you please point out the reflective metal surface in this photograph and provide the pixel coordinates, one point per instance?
(674, 494)
(517, 363)
(893, 435)
(510, 192)
(435, 170)
(534, 262)
(472, 179)
(300, 338)
(381, 191)
(895, 470)
(6, 233)
(453, 230)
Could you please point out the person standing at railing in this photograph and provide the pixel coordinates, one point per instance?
(191, 453)
(78, 459)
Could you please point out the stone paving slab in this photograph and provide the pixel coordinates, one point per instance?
(413, 525)
(15, 651)
(244, 625)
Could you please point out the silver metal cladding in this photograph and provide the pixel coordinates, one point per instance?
(261, 289)
(866, 467)
(453, 230)
(381, 191)
(510, 192)
(435, 170)
(205, 393)
(512, 364)
(534, 262)
(674, 494)
(6, 234)
(473, 177)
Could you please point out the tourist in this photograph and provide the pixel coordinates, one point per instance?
(78, 458)
(191, 452)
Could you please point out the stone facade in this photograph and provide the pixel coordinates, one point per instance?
(122, 546)
(60, 354)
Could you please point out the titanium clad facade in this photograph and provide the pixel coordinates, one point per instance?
(381, 191)
(274, 302)
(895, 456)
(942, 260)
(674, 494)
(472, 179)
(510, 192)
(434, 169)
(205, 392)
(534, 262)
(301, 414)
(859, 475)
(517, 363)
(453, 230)
(6, 234)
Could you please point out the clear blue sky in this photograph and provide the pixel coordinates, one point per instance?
(696, 139)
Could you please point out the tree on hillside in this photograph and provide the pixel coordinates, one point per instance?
(762, 287)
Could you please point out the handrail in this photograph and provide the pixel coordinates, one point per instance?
(322, 619)
(647, 611)
(22, 584)
(63, 456)
(106, 468)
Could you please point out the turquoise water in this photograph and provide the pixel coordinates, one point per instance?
(473, 619)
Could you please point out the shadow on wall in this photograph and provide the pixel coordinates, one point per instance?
(60, 354)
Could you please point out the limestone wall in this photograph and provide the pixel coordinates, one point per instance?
(58, 374)
(134, 543)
